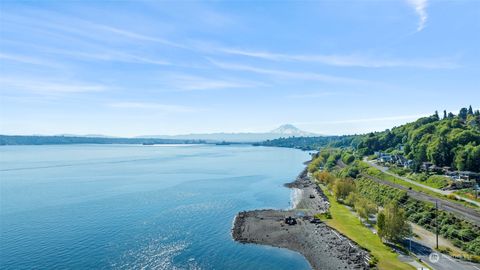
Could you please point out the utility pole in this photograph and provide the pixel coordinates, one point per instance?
(410, 247)
(436, 221)
(475, 189)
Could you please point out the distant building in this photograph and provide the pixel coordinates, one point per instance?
(464, 178)
(386, 159)
(399, 160)
(426, 166)
(468, 175)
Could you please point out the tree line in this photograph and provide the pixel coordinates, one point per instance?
(449, 140)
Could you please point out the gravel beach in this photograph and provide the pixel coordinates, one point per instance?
(321, 245)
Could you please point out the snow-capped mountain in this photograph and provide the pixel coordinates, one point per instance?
(291, 130)
(282, 131)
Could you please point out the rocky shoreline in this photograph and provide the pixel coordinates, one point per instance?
(321, 245)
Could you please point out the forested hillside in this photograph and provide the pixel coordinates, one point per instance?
(453, 140)
(447, 140)
(314, 143)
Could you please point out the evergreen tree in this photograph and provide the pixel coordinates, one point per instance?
(463, 113)
(470, 110)
(438, 152)
(450, 115)
(460, 159)
(436, 115)
(419, 156)
(444, 114)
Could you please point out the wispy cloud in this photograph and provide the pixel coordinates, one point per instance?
(27, 60)
(134, 35)
(93, 41)
(365, 120)
(191, 83)
(113, 56)
(345, 60)
(321, 94)
(48, 87)
(167, 108)
(70, 28)
(420, 7)
(287, 74)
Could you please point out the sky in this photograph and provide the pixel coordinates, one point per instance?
(130, 68)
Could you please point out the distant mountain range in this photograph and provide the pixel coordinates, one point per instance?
(282, 131)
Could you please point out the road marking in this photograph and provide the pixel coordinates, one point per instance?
(445, 256)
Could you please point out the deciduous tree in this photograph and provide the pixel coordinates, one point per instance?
(342, 188)
(392, 223)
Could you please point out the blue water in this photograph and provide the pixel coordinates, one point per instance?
(139, 207)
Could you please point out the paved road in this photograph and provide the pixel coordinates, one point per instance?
(427, 239)
(438, 261)
(443, 192)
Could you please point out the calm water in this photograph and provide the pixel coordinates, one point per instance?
(134, 207)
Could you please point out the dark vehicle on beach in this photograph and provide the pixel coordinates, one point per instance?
(312, 196)
(315, 220)
(290, 221)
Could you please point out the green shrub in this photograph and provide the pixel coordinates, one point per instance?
(437, 181)
(461, 233)
(326, 215)
(347, 158)
(373, 261)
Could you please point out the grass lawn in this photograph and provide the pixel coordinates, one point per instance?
(467, 193)
(348, 224)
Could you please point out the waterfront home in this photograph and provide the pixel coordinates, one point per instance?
(386, 159)
(426, 166)
(383, 157)
(468, 175)
(399, 160)
(464, 179)
(430, 167)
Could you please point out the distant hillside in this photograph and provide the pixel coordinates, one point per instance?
(313, 143)
(450, 140)
(41, 140)
(282, 131)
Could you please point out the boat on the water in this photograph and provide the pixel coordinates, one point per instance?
(223, 143)
(148, 143)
